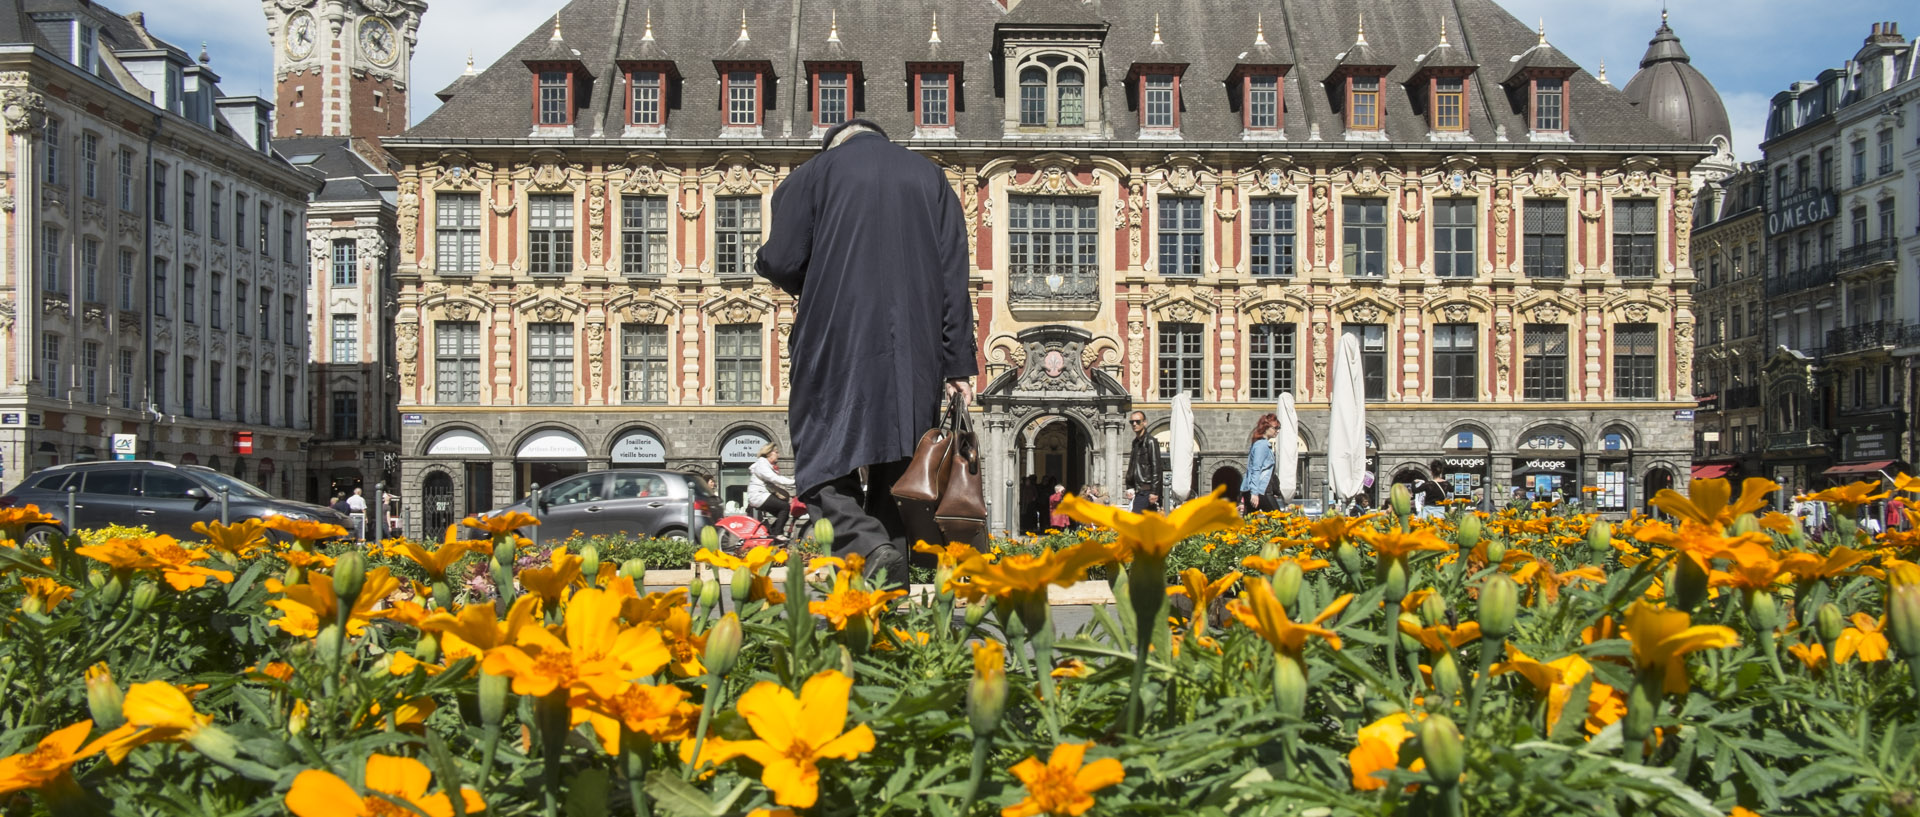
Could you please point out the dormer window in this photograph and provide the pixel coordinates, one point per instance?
(830, 98)
(84, 46)
(1053, 92)
(1072, 89)
(1363, 103)
(1448, 108)
(1033, 97)
(647, 106)
(1549, 104)
(1159, 101)
(936, 99)
(743, 99)
(1262, 102)
(555, 95)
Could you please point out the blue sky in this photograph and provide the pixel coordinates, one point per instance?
(1750, 49)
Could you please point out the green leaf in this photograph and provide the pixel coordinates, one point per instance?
(587, 794)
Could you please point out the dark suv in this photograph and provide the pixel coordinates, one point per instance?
(165, 497)
(633, 501)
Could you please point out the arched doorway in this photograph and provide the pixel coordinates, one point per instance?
(1053, 450)
(1046, 376)
(436, 502)
(546, 456)
(1657, 480)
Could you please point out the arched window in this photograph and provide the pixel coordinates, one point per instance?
(1033, 96)
(1073, 103)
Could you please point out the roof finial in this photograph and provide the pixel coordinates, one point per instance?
(1260, 29)
(1543, 31)
(1362, 39)
(204, 58)
(1663, 14)
(647, 36)
(935, 36)
(469, 71)
(1156, 29)
(1603, 74)
(556, 29)
(743, 27)
(1443, 31)
(833, 29)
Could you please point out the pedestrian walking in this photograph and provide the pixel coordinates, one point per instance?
(1258, 486)
(1144, 466)
(869, 236)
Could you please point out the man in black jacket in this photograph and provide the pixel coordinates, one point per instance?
(1144, 467)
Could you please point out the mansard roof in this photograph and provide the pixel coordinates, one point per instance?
(1212, 36)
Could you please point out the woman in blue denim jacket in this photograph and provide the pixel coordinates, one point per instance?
(1257, 488)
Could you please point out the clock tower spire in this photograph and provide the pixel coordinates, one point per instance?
(342, 67)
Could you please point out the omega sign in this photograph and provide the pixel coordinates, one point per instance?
(1802, 209)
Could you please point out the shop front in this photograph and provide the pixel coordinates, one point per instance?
(1613, 474)
(1465, 467)
(467, 455)
(1548, 467)
(1867, 456)
(545, 456)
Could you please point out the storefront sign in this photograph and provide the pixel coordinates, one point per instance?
(742, 448)
(1546, 465)
(459, 443)
(125, 446)
(551, 444)
(1554, 442)
(1465, 462)
(1802, 209)
(1870, 445)
(639, 447)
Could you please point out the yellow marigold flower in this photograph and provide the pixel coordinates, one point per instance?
(1661, 640)
(1866, 638)
(309, 606)
(1021, 575)
(1848, 498)
(475, 629)
(1545, 582)
(307, 560)
(436, 561)
(1194, 585)
(1777, 522)
(176, 563)
(551, 582)
(1706, 502)
(123, 555)
(409, 714)
(1150, 534)
(596, 657)
(156, 711)
(676, 631)
(1700, 542)
(846, 602)
(795, 734)
(1396, 545)
(903, 638)
(950, 555)
(660, 713)
(1556, 679)
(1329, 531)
(1440, 637)
(317, 793)
(1063, 786)
(501, 524)
(240, 538)
(1072, 668)
(43, 594)
(1813, 655)
(1841, 561)
(652, 608)
(1306, 561)
(305, 530)
(1378, 749)
(1753, 568)
(47, 761)
(1263, 614)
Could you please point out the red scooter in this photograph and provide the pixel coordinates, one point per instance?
(743, 532)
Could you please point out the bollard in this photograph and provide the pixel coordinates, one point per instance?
(693, 515)
(223, 506)
(379, 512)
(73, 523)
(533, 505)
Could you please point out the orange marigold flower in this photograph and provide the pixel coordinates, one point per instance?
(1063, 786)
(317, 793)
(501, 524)
(1848, 498)
(47, 761)
(306, 530)
(796, 733)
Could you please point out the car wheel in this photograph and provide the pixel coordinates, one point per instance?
(672, 533)
(42, 535)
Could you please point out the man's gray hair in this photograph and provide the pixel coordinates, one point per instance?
(848, 132)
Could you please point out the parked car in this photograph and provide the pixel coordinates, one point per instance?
(632, 501)
(165, 497)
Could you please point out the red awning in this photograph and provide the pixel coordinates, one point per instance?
(1846, 468)
(1711, 471)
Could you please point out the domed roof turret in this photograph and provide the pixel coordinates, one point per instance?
(1670, 91)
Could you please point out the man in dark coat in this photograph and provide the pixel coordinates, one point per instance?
(869, 236)
(1144, 466)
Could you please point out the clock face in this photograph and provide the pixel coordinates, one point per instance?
(378, 42)
(300, 35)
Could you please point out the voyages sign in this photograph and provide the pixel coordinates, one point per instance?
(1802, 209)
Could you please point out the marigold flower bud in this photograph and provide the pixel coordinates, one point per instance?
(1499, 602)
(987, 693)
(493, 697)
(1408, 644)
(1402, 501)
(503, 551)
(1600, 540)
(635, 569)
(297, 719)
(590, 565)
(709, 593)
(1270, 550)
(144, 596)
(1349, 558)
(1286, 583)
(104, 698)
(97, 579)
(1467, 533)
(1745, 524)
(1829, 623)
(1433, 609)
(1444, 750)
(723, 645)
(329, 640)
(349, 575)
(977, 612)
(1392, 573)
(741, 584)
(1289, 685)
(215, 743)
(426, 649)
(710, 538)
(1763, 613)
(1496, 551)
(823, 534)
(1446, 675)
(1903, 617)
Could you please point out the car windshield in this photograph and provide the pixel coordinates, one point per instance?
(235, 487)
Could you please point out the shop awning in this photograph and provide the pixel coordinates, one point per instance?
(1712, 470)
(1846, 468)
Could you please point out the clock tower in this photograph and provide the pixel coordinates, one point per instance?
(341, 67)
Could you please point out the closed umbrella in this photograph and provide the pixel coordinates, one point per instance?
(1287, 458)
(1182, 448)
(1347, 429)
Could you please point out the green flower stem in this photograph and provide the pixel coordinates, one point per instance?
(1392, 631)
(706, 717)
(552, 714)
(1450, 802)
(1489, 650)
(982, 751)
(1771, 646)
(1042, 641)
(636, 748)
(491, 747)
(1147, 590)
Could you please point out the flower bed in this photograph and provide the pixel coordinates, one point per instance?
(1531, 661)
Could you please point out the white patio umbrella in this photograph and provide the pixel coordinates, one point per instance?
(1347, 429)
(1286, 459)
(1181, 449)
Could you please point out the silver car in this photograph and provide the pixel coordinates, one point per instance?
(647, 502)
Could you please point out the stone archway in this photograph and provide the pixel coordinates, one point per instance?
(1052, 390)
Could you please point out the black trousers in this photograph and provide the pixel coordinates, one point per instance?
(869, 522)
(778, 511)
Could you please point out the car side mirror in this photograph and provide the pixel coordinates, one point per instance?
(196, 493)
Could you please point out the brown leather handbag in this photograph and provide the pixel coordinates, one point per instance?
(925, 480)
(962, 512)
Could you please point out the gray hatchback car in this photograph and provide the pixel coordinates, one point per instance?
(630, 501)
(165, 497)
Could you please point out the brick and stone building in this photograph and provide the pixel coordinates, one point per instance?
(1729, 236)
(1200, 202)
(146, 219)
(341, 73)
